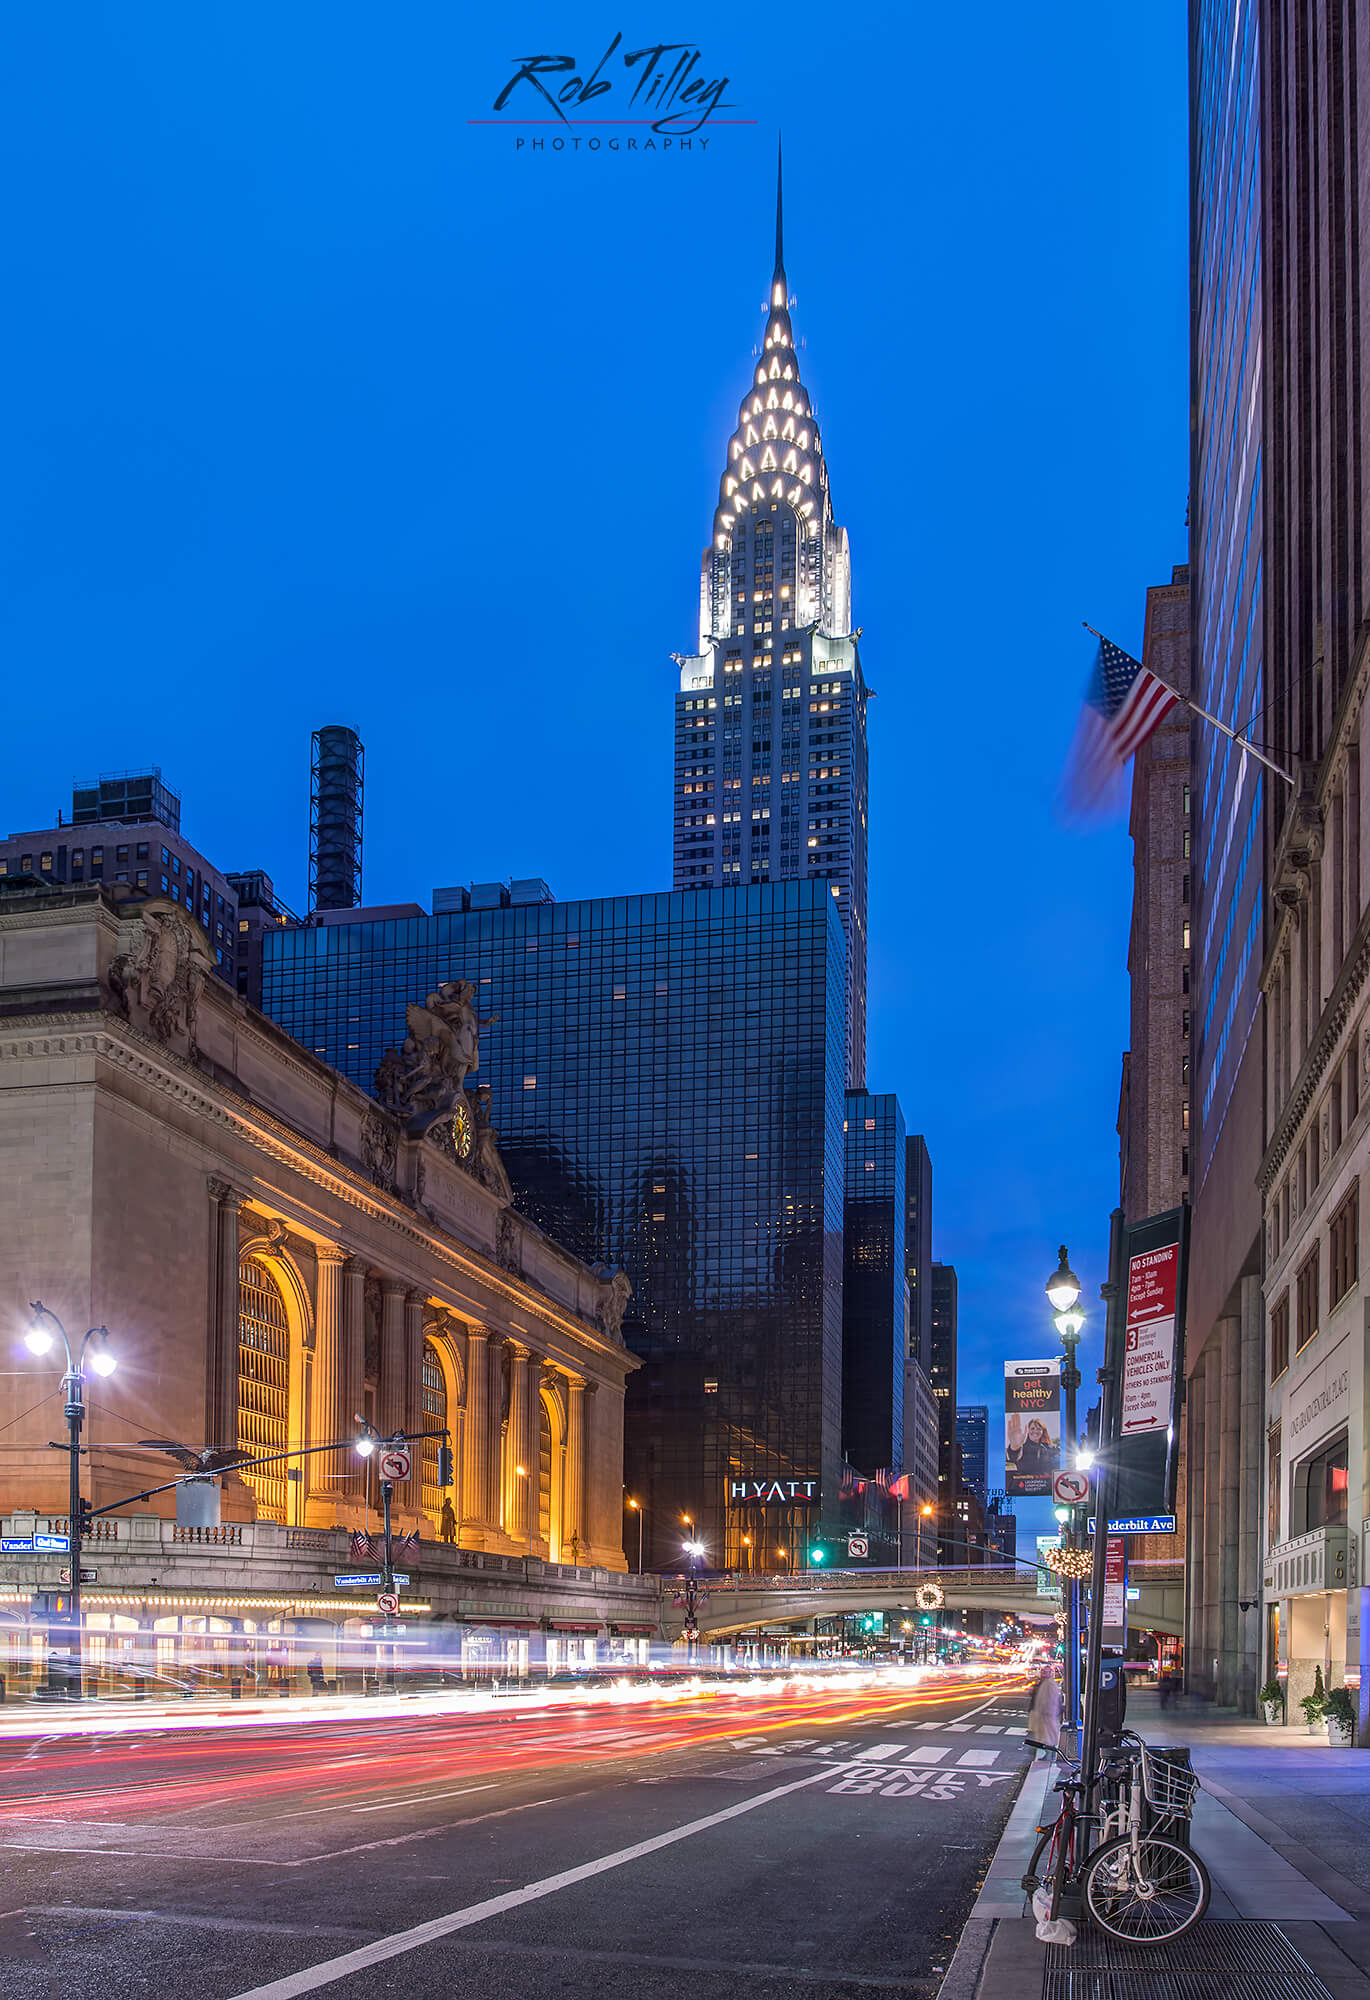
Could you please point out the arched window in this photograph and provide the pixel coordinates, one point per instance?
(263, 1382)
(434, 1418)
(544, 1475)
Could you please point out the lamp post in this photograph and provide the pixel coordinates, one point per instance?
(693, 1551)
(635, 1507)
(38, 1340)
(1063, 1295)
(924, 1514)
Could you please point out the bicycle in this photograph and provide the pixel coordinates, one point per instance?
(1138, 1884)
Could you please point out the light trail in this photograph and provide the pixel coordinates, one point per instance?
(360, 1764)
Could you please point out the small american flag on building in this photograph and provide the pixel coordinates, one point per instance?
(1124, 702)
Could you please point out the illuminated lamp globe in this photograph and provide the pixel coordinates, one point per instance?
(104, 1361)
(37, 1339)
(1069, 1321)
(1063, 1287)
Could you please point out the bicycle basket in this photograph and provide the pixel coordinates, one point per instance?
(1167, 1786)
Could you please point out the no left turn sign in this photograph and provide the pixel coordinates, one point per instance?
(388, 1602)
(1070, 1488)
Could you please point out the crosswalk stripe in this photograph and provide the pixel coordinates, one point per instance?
(959, 1728)
(928, 1753)
(929, 1725)
(878, 1752)
(977, 1760)
(990, 1729)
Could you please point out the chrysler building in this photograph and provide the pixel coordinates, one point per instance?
(770, 744)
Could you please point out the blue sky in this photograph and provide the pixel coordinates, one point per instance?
(327, 404)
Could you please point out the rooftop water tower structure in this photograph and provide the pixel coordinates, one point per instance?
(335, 819)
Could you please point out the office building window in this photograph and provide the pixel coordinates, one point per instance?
(1279, 1338)
(1306, 1302)
(1343, 1262)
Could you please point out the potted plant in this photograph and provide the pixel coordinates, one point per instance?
(1272, 1701)
(1340, 1712)
(1312, 1704)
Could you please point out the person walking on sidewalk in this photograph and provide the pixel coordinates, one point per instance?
(1044, 1715)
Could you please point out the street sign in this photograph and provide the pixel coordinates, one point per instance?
(1140, 1524)
(13, 1545)
(59, 1542)
(371, 1580)
(857, 1545)
(87, 1575)
(392, 1462)
(1149, 1349)
(387, 1602)
(1070, 1488)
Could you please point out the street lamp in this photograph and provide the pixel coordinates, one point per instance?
(693, 1551)
(924, 1514)
(635, 1507)
(1063, 1294)
(39, 1340)
(367, 1442)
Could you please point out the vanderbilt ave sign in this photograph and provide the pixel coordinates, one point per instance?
(771, 1492)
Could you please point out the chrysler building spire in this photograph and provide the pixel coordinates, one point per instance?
(771, 713)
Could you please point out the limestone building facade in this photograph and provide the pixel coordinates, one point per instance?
(275, 1254)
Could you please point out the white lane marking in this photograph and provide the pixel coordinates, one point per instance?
(331, 1970)
(878, 1753)
(971, 1760)
(930, 1725)
(990, 1729)
(181, 1918)
(422, 1798)
(928, 1753)
(957, 1728)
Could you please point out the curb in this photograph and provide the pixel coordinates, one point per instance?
(1001, 1897)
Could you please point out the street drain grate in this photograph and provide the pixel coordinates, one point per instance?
(1200, 1966)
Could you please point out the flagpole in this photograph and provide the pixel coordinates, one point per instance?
(1185, 701)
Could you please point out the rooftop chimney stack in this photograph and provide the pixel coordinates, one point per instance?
(335, 819)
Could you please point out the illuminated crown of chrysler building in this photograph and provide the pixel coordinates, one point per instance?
(770, 748)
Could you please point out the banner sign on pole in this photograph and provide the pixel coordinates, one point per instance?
(1048, 1583)
(1032, 1426)
(1151, 1366)
(1115, 1592)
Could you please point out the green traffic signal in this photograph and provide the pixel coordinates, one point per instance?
(816, 1555)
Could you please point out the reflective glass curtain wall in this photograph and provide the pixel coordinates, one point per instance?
(666, 1077)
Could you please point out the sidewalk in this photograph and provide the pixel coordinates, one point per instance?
(1283, 1824)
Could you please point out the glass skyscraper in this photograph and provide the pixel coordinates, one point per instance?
(874, 1285)
(666, 1076)
(770, 738)
(1225, 570)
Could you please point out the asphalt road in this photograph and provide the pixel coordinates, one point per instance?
(827, 1843)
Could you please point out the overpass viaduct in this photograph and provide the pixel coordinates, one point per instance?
(740, 1603)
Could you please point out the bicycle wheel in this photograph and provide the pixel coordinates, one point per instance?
(1148, 1897)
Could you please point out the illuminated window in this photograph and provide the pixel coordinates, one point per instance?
(263, 1382)
(434, 1394)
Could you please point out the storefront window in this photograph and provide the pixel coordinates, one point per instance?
(1322, 1488)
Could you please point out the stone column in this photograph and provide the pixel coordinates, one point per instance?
(1249, 1675)
(1213, 1509)
(351, 1380)
(475, 1438)
(326, 1468)
(1194, 1528)
(415, 1420)
(516, 1483)
(495, 1433)
(392, 1403)
(221, 1387)
(1229, 1565)
(573, 1516)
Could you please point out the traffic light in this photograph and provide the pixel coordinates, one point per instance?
(84, 1519)
(925, 1621)
(445, 1473)
(817, 1556)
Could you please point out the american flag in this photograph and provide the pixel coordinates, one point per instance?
(1124, 702)
(370, 1548)
(901, 1488)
